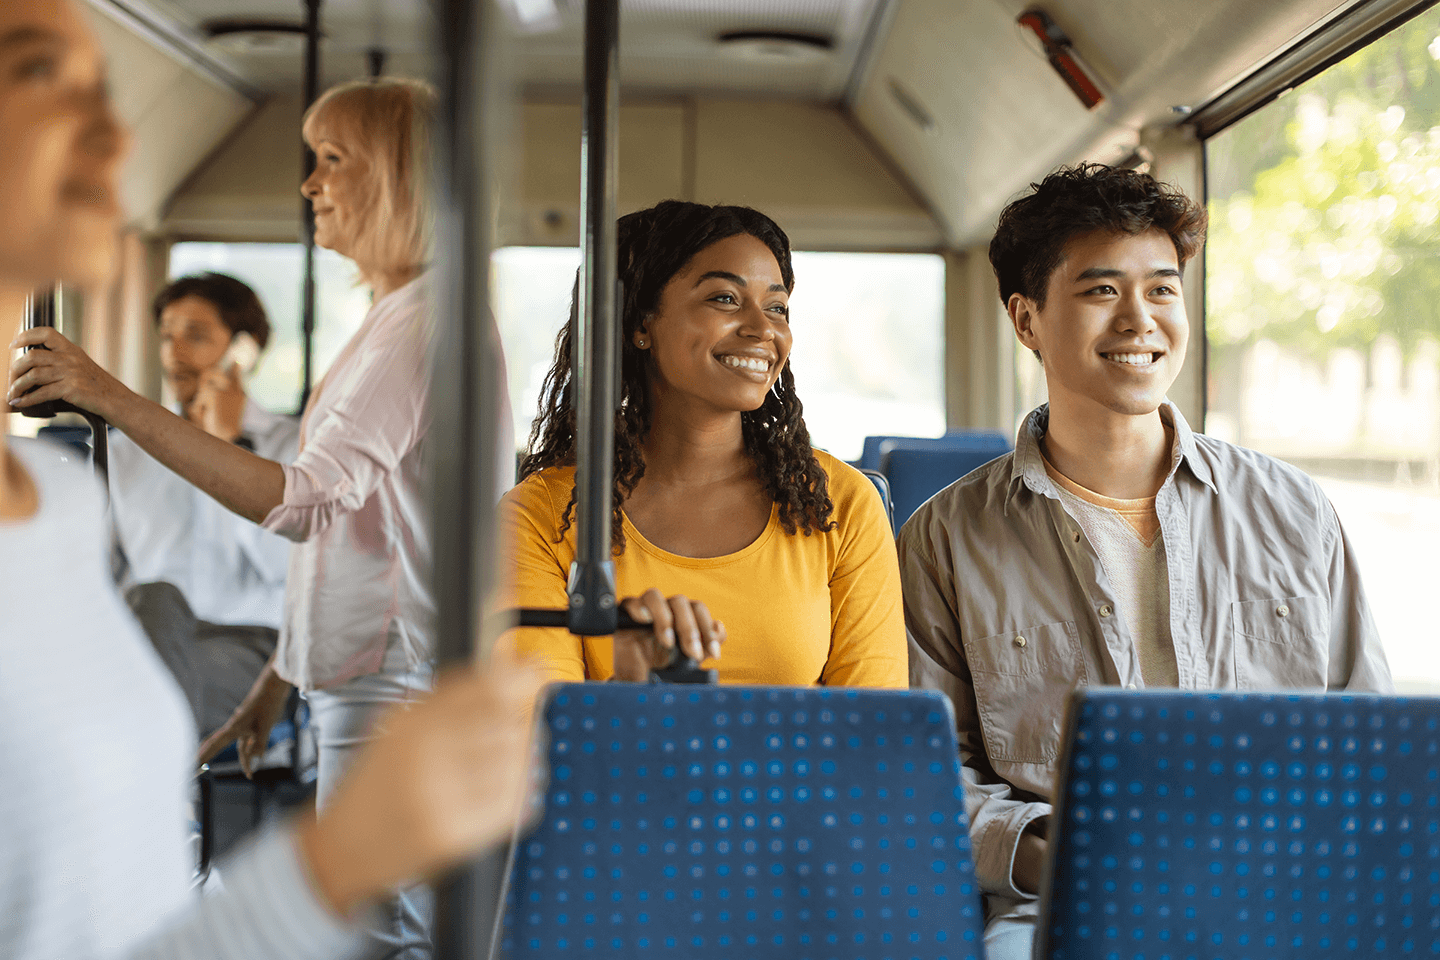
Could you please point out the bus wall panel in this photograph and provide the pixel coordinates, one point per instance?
(176, 113)
(807, 167)
(652, 168)
(804, 165)
(249, 189)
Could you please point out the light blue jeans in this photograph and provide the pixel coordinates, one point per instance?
(1010, 938)
(344, 719)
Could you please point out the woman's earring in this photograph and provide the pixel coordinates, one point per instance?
(640, 343)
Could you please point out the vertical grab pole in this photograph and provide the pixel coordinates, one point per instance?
(307, 215)
(464, 406)
(592, 577)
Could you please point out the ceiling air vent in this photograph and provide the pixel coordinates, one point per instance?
(776, 46)
(252, 36)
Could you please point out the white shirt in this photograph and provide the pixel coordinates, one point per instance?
(97, 748)
(230, 570)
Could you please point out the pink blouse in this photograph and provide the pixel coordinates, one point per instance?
(359, 576)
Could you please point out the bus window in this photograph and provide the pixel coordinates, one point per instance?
(1323, 312)
(868, 353)
(274, 270)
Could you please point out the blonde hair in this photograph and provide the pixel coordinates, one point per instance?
(387, 123)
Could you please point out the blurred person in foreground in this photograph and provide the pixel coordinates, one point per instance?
(96, 743)
(1114, 546)
(207, 585)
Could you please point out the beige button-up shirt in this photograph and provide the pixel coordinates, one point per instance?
(1008, 609)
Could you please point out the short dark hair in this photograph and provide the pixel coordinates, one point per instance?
(1033, 230)
(237, 304)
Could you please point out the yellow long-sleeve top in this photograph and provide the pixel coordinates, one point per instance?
(797, 610)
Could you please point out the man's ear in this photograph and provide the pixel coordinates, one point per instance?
(1023, 311)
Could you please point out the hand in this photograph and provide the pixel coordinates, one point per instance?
(444, 779)
(1029, 869)
(61, 371)
(249, 726)
(219, 404)
(678, 619)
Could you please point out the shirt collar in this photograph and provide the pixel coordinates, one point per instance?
(1185, 450)
(1028, 465)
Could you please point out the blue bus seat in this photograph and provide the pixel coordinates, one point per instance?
(1245, 825)
(871, 452)
(758, 822)
(882, 486)
(77, 436)
(919, 469)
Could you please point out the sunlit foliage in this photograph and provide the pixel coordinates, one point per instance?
(1325, 205)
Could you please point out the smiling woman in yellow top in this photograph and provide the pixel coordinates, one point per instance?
(719, 496)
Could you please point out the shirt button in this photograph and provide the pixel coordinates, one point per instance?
(1106, 610)
(1283, 610)
(1019, 641)
(1130, 686)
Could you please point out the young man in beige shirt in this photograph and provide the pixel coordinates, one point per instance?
(1114, 546)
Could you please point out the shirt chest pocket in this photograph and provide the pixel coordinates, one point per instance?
(1281, 643)
(1021, 679)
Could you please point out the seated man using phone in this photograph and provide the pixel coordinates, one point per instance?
(1114, 546)
(207, 585)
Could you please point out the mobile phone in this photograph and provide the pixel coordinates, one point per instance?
(243, 352)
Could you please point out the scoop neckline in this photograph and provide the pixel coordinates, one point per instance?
(633, 535)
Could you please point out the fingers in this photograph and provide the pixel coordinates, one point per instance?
(24, 398)
(686, 627)
(216, 381)
(245, 747)
(27, 361)
(214, 743)
(712, 631)
(30, 371)
(677, 620)
(651, 607)
(59, 372)
(38, 337)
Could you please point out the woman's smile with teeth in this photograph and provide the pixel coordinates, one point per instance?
(746, 363)
(1132, 359)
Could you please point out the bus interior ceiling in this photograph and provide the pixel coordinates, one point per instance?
(902, 125)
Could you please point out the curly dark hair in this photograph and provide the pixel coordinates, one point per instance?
(1031, 235)
(653, 246)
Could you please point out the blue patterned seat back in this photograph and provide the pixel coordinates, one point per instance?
(754, 822)
(1246, 826)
